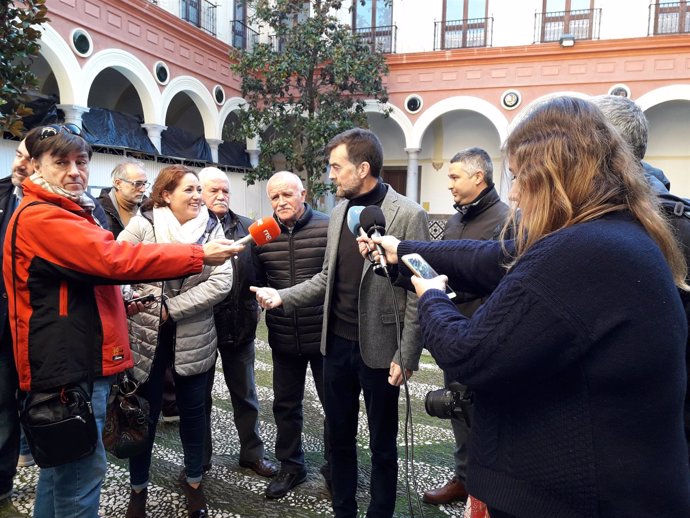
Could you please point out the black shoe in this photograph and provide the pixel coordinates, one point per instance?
(263, 467)
(137, 504)
(196, 500)
(284, 482)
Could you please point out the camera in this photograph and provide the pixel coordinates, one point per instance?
(454, 401)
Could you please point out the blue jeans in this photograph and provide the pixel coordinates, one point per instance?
(73, 490)
(190, 392)
(345, 376)
(9, 415)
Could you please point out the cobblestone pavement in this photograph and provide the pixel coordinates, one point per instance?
(238, 492)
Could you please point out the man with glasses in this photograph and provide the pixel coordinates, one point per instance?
(122, 201)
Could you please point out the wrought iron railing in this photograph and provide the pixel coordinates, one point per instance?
(458, 34)
(582, 24)
(243, 36)
(669, 18)
(381, 39)
(201, 13)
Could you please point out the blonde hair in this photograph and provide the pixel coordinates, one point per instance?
(572, 166)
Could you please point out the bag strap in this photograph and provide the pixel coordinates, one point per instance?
(14, 291)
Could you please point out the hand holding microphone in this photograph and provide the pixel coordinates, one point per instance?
(261, 232)
(374, 224)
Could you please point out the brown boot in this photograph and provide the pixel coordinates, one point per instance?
(453, 491)
(196, 501)
(137, 504)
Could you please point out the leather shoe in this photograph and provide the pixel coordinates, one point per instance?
(284, 482)
(263, 467)
(453, 491)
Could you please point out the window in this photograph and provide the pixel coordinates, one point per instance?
(576, 17)
(671, 17)
(464, 24)
(374, 22)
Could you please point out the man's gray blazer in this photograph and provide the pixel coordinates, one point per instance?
(377, 331)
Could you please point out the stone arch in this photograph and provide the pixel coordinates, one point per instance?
(64, 65)
(395, 114)
(202, 99)
(664, 94)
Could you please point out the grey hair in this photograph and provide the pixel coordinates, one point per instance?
(288, 176)
(120, 170)
(478, 160)
(628, 118)
(212, 173)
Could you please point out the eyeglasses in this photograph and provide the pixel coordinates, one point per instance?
(138, 184)
(54, 129)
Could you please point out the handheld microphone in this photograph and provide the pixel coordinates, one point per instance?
(374, 224)
(262, 231)
(353, 220)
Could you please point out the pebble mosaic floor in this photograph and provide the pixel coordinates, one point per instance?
(235, 492)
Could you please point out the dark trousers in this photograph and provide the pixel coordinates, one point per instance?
(9, 414)
(495, 513)
(289, 376)
(238, 371)
(345, 376)
(461, 433)
(190, 394)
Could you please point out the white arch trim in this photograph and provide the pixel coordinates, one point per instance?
(462, 102)
(373, 106)
(231, 105)
(135, 71)
(201, 97)
(662, 95)
(64, 65)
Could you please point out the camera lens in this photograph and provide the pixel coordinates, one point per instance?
(440, 403)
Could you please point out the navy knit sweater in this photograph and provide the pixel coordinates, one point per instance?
(577, 360)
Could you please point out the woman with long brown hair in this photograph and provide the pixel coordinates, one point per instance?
(577, 358)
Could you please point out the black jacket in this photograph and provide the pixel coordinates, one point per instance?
(295, 256)
(112, 217)
(6, 206)
(236, 317)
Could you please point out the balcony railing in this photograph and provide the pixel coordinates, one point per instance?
(583, 24)
(380, 39)
(459, 34)
(243, 36)
(669, 18)
(201, 13)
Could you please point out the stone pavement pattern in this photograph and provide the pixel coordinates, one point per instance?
(233, 491)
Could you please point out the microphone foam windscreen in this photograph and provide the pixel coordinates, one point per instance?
(264, 230)
(372, 217)
(353, 218)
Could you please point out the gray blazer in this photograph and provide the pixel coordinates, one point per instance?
(377, 331)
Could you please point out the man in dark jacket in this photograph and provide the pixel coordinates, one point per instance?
(294, 337)
(236, 318)
(480, 215)
(122, 201)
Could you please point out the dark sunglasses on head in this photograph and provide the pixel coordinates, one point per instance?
(54, 129)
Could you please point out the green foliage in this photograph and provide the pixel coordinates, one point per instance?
(305, 86)
(19, 36)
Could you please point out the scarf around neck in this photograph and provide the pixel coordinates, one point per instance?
(169, 230)
(82, 200)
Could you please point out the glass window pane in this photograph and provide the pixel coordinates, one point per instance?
(577, 5)
(384, 14)
(476, 9)
(363, 14)
(555, 5)
(454, 10)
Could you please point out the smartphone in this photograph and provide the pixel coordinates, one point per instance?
(144, 299)
(421, 268)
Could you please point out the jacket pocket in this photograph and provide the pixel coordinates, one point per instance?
(63, 302)
(389, 318)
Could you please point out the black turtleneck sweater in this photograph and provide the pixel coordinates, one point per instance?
(348, 271)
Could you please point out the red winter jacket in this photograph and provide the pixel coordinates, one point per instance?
(64, 302)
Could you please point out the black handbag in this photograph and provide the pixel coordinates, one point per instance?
(59, 425)
(126, 428)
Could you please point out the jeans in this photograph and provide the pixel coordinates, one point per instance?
(9, 415)
(289, 376)
(190, 392)
(73, 490)
(345, 376)
(238, 370)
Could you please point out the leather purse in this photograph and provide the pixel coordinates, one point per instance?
(126, 428)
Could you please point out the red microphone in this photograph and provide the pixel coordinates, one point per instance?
(262, 231)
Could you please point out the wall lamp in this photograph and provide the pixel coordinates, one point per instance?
(567, 40)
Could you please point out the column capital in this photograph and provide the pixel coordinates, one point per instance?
(154, 132)
(73, 113)
(412, 150)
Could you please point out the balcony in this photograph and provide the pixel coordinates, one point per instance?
(582, 24)
(380, 39)
(460, 34)
(243, 36)
(669, 18)
(201, 13)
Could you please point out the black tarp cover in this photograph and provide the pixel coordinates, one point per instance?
(177, 142)
(233, 153)
(105, 127)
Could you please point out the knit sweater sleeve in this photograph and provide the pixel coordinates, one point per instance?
(520, 331)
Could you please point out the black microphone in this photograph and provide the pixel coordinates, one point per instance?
(374, 224)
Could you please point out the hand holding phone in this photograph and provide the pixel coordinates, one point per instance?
(421, 268)
(143, 299)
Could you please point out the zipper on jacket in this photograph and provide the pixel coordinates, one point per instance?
(293, 280)
(63, 302)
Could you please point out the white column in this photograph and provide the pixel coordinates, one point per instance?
(253, 150)
(154, 132)
(213, 144)
(412, 173)
(73, 113)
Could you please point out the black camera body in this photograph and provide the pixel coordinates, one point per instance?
(454, 401)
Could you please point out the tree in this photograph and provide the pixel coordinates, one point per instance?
(309, 83)
(19, 36)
